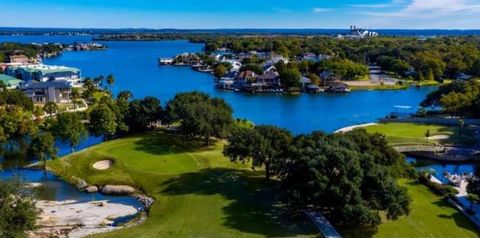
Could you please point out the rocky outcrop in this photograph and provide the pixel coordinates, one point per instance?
(117, 190)
(80, 183)
(73, 219)
(91, 189)
(145, 200)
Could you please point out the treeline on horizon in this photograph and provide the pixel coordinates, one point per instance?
(441, 57)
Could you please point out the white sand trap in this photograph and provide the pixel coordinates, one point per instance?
(439, 137)
(103, 165)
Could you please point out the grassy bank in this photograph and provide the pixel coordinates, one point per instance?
(410, 133)
(430, 216)
(198, 192)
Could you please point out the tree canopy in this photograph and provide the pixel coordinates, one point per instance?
(143, 112)
(290, 78)
(70, 128)
(200, 115)
(18, 212)
(457, 98)
(351, 178)
(264, 145)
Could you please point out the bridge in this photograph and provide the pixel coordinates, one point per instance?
(420, 148)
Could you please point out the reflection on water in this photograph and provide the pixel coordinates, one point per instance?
(14, 154)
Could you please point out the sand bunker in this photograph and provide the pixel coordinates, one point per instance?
(103, 165)
(439, 137)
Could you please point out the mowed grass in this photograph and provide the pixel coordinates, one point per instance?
(430, 216)
(411, 133)
(198, 192)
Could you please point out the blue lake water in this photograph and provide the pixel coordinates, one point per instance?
(135, 67)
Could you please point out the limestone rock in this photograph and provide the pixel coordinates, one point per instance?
(145, 200)
(117, 190)
(81, 184)
(91, 189)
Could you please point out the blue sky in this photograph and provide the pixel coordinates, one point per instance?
(411, 14)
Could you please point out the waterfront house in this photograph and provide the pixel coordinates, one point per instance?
(225, 83)
(9, 81)
(236, 65)
(246, 75)
(312, 88)
(268, 80)
(230, 75)
(328, 76)
(304, 81)
(244, 79)
(18, 58)
(337, 87)
(187, 59)
(44, 73)
(51, 91)
(269, 68)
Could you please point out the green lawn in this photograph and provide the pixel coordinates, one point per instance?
(410, 133)
(198, 192)
(430, 216)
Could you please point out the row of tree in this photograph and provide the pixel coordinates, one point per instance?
(441, 56)
(351, 176)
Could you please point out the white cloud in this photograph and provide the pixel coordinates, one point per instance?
(319, 10)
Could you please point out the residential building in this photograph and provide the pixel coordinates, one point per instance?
(44, 73)
(328, 76)
(268, 80)
(337, 87)
(23, 59)
(304, 81)
(57, 91)
(270, 68)
(9, 81)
